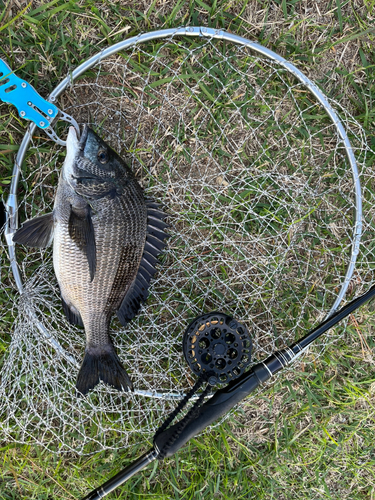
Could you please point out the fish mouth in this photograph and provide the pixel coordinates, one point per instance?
(78, 178)
(82, 141)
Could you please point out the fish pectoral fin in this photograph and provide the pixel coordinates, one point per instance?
(37, 232)
(138, 291)
(81, 231)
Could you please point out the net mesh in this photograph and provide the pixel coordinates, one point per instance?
(261, 205)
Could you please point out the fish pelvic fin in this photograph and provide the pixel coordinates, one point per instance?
(102, 363)
(37, 232)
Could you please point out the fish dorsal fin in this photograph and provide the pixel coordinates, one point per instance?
(138, 291)
(37, 232)
(81, 231)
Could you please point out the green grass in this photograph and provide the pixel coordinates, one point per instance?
(311, 434)
(317, 444)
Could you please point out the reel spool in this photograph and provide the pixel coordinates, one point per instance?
(217, 345)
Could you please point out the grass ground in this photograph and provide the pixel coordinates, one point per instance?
(311, 435)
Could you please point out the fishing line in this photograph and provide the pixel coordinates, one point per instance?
(259, 173)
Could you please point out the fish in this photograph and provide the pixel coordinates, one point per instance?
(107, 238)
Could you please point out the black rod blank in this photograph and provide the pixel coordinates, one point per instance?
(122, 476)
(336, 318)
(224, 399)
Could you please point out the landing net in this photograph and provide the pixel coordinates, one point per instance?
(263, 205)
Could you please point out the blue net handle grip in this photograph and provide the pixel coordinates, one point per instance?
(25, 98)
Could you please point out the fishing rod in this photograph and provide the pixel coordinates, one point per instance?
(209, 344)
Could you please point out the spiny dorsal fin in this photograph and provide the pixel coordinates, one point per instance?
(37, 232)
(138, 291)
(81, 230)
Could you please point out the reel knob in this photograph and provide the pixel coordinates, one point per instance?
(217, 345)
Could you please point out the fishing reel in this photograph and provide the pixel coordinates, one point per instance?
(217, 346)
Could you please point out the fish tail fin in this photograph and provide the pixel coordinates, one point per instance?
(102, 363)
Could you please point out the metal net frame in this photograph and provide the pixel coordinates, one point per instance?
(257, 170)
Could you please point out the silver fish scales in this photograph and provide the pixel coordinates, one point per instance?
(106, 240)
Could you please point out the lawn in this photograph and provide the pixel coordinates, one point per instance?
(309, 435)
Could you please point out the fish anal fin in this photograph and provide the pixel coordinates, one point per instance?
(71, 313)
(138, 291)
(81, 230)
(36, 232)
(102, 363)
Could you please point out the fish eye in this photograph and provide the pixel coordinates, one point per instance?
(103, 156)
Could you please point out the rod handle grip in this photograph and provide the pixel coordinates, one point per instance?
(214, 408)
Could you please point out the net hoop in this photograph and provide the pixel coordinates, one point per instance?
(199, 32)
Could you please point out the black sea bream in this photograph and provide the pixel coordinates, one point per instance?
(106, 239)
